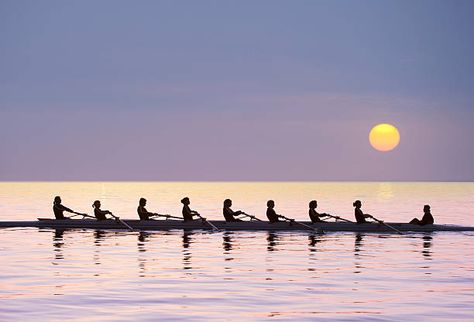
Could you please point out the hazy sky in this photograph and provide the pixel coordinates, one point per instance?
(235, 90)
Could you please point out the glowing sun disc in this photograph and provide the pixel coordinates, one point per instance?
(384, 137)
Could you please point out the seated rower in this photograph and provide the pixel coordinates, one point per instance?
(229, 213)
(313, 214)
(59, 209)
(100, 214)
(187, 212)
(271, 214)
(359, 215)
(427, 217)
(142, 212)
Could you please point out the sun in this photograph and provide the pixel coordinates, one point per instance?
(384, 137)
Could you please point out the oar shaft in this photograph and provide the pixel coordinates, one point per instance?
(206, 221)
(122, 222)
(339, 218)
(250, 216)
(301, 224)
(387, 225)
(167, 216)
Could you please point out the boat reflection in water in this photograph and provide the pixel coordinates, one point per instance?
(58, 243)
(427, 243)
(143, 239)
(358, 244)
(272, 241)
(228, 246)
(187, 241)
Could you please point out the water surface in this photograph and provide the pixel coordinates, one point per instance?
(49, 274)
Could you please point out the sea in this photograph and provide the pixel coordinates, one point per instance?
(93, 275)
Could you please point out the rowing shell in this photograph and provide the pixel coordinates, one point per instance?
(220, 224)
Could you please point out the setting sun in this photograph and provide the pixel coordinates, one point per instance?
(384, 137)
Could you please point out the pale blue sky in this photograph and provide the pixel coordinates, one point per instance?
(235, 90)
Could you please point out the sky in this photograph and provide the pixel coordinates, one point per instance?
(235, 90)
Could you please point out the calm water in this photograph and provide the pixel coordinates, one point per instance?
(91, 275)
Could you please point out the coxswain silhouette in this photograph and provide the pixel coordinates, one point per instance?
(427, 217)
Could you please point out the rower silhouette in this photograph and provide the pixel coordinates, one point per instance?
(271, 214)
(313, 214)
(59, 209)
(229, 213)
(427, 217)
(359, 215)
(100, 214)
(141, 210)
(187, 212)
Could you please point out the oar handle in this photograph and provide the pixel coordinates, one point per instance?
(80, 214)
(339, 218)
(250, 216)
(166, 216)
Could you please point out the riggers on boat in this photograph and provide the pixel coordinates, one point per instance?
(232, 226)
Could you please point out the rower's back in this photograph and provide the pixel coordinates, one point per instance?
(143, 213)
(141, 210)
(313, 214)
(59, 211)
(187, 215)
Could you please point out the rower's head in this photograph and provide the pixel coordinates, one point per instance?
(426, 209)
(57, 200)
(96, 204)
(227, 203)
(357, 204)
(142, 202)
(270, 203)
(313, 204)
(185, 201)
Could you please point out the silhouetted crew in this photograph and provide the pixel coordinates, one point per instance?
(313, 214)
(271, 214)
(229, 213)
(427, 217)
(59, 209)
(359, 215)
(99, 214)
(187, 212)
(141, 210)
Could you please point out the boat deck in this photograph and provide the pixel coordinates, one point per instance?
(233, 226)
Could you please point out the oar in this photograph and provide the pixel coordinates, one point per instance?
(205, 220)
(121, 221)
(381, 222)
(83, 215)
(250, 216)
(339, 218)
(301, 224)
(167, 216)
